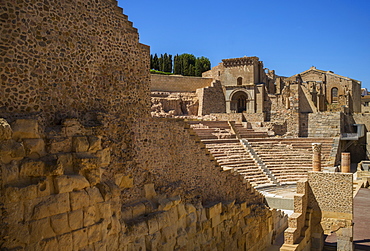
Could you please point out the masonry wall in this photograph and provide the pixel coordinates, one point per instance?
(211, 99)
(324, 124)
(69, 58)
(176, 83)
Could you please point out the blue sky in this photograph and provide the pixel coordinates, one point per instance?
(288, 36)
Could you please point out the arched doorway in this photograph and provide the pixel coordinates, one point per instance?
(239, 102)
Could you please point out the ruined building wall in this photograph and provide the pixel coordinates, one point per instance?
(211, 99)
(70, 57)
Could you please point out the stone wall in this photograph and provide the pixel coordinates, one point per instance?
(323, 205)
(177, 83)
(324, 124)
(68, 58)
(64, 188)
(211, 99)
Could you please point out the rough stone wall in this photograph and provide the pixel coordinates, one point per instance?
(70, 57)
(211, 99)
(324, 124)
(177, 83)
(323, 204)
(165, 104)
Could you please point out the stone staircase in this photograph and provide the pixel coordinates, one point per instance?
(221, 141)
(289, 159)
(262, 160)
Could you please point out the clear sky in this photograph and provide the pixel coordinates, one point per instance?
(289, 36)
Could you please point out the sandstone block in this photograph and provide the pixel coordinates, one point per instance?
(52, 205)
(169, 233)
(216, 220)
(75, 219)
(163, 219)
(181, 210)
(59, 223)
(214, 210)
(65, 241)
(43, 188)
(100, 245)
(190, 208)
(33, 168)
(94, 195)
(79, 238)
(152, 225)
(173, 214)
(138, 209)
(35, 148)
(149, 191)
(94, 143)
(65, 161)
(124, 181)
(165, 204)
(25, 129)
(10, 172)
(126, 213)
(11, 150)
(104, 157)
(14, 194)
(79, 199)
(40, 229)
(69, 183)
(59, 145)
(49, 244)
(94, 233)
(104, 210)
(109, 190)
(5, 130)
(90, 216)
(115, 226)
(139, 229)
(72, 127)
(80, 144)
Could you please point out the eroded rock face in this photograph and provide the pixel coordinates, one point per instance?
(174, 104)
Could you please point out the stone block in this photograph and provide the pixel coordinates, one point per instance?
(33, 168)
(25, 129)
(79, 199)
(65, 161)
(152, 225)
(115, 226)
(138, 209)
(76, 219)
(14, 194)
(69, 183)
(94, 195)
(59, 223)
(100, 246)
(216, 219)
(138, 229)
(59, 145)
(124, 181)
(40, 229)
(94, 143)
(79, 238)
(163, 220)
(181, 210)
(10, 172)
(109, 190)
(94, 233)
(126, 213)
(104, 210)
(11, 150)
(35, 148)
(49, 244)
(149, 190)
(173, 214)
(190, 208)
(104, 157)
(165, 204)
(65, 242)
(5, 130)
(214, 210)
(169, 233)
(52, 205)
(72, 127)
(80, 144)
(90, 216)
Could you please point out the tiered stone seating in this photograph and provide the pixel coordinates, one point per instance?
(228, 151)
(245, 132)
(290, 159)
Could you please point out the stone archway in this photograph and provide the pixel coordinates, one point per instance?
(239, 102)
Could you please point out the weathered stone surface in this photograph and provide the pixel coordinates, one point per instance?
(79, 238)
(104, 157)
(41, 229)
(124, 181)
(11, 150)
(75, 219)
(5, 130)
(69, 183)
(25, 129)
(59, 223)
(94, 195)
(33, 168)
(79, 199)
(94, 143)
(52, 205)
(35, 148)
(80, 144)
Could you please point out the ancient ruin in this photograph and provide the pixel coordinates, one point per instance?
(84, 165)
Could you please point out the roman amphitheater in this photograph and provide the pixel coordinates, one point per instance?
(97, 154)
